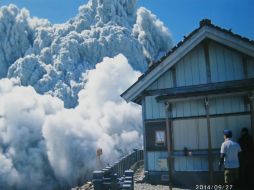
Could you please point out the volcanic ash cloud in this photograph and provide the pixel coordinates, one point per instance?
(52, 67)
(45, 145)
(53, 57)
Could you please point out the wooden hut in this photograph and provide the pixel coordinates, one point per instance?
(202, 86)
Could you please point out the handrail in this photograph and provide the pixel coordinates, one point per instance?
(117, 176)
(126, 162)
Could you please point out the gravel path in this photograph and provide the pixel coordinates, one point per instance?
(139, 185)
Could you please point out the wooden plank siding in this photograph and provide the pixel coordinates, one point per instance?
(191, 164)
(213, 89)
(189, 108)
(154, 109)
(191, 69)
(226, 64)
(190, 133)
(230, 104)
(234, 123)
(153, 160)
(144, 133)
(165, 81)
(189, 122)
(250, 68)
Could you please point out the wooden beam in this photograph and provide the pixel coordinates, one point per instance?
(201, 97)
(245, 66)
(251, 98)
(229, 47)
(210, 153)
(199, 116)
(174, 76)
(207, 61)
(168, 110)
(196, 153)
(144, 132)
(203, 89)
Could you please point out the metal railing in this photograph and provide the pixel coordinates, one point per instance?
(118, 176)
(126, 162)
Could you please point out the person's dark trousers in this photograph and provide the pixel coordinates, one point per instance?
(242, 174)
(246, 175)
(231, 177)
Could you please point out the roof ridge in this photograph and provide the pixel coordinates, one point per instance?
(202, 23)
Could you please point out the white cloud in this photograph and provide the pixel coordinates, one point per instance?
(44, 145)
(151, 32)
(53, 57)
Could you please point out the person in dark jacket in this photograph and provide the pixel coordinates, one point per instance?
(246, 159)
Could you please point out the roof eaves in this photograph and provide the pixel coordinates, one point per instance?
(202, 23)
(155, 64)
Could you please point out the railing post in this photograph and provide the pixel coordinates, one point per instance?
(129, 178)
(107, 178)
(97, 180)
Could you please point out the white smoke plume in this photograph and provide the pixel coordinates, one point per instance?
(53, 57)
(45, 146)
(52, 67)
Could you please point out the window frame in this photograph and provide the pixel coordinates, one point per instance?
(159, 142)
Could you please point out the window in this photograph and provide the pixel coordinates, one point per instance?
(160, 138)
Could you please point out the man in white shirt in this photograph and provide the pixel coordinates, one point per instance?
(229, 156)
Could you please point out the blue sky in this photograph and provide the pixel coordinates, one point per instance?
(180, 16)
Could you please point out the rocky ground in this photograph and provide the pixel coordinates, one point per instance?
(145, 186)
(138, 182)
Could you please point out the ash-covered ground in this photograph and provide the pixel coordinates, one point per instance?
(140, 185)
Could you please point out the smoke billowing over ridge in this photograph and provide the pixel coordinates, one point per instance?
(45, 145)
(47, 68)
(53, 57)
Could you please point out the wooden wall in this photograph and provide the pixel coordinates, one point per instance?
(234, 123)
(191, 164)
(228, 104)
(154, 109)
(192, 134)
(154, 158)
(226, 64)
(165, 81)
(191, 69)
(192, 108)
(188, 108)
(250, 68)
(189, 117)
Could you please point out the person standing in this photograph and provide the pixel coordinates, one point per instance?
(246, 159)
(229, 157)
